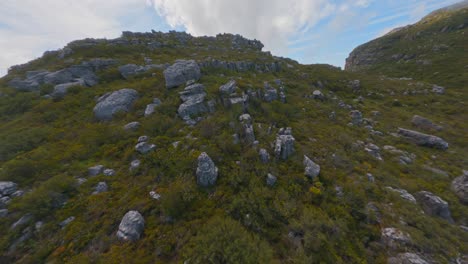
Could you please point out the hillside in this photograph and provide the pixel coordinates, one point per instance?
(433, 50)
(167, 148)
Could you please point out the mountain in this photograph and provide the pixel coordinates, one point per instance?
(434, 49)
(168, 148)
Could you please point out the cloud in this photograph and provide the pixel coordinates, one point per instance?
(29, 27)
(271, 21)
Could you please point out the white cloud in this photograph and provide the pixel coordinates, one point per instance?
(271, 21)
(29, 27)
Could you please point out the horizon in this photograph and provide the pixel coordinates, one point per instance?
(310, 32)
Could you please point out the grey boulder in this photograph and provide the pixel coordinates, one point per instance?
(131, 226)
(181, 72)
(100, 188)
(7, 188)
(434, 205)
(284, 145)
(95, 170)
(207, 172)
(193, 98)
(144, 147)
(132, 126)
(460, 187)
(228, 88)
(271, 179)
(424, 123)
(407, 258)
(312, 169)
(113, 103)
(264, 156)
(423, 139)
(356, 117)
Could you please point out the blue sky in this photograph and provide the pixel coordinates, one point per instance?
(309, 31)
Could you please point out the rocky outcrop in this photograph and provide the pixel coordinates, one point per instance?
(100, 188)
(207, 172)
(131, 227)
(284, 145)
(394, 238)
(312, 169)
(434, 205)
(112, 103)
(424, 123)
(356, 117)
(403, 194)
(7, 188)
(230, 94)
(241, 66)
(95, 170)
(151, 108)
(373, 150)
(407, 258)
(181, 72)
(193, 98)
(423, 139)
(460, 187)
(129, 70)
(269, 93)
(132, 126)
(82, 74)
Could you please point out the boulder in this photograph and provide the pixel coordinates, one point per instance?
(434, 205)
(249, 135)
(393, 237)
(143, 139)
(132, 126)
(264, 156)
(317, 94)
(407, 258)
(135, 164)
(7, 188)
(269, 93)
(144, 147)
(284, 145)
(424, 123)
(423, 139)
(100, 187)
(245, 118)
(131, 226)
(271, 179)
(193, 98)
(312, 169)
(60, 90)
(374, 150)
(150, 109)
(356, 117)
(129, 70)
(108, 172)
(460, 187)
(207, 172)
(181, 72)
(228, 88)
(95, 170)
(115, 102)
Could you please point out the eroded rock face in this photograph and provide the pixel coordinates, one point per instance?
(113, 103)
(434, 205)
(423, 139)
(207, 172)
(131, 227)
(284, 145)
(312, 169)
(460, 187)
(181, 72)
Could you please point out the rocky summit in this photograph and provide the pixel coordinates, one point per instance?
(169, 148)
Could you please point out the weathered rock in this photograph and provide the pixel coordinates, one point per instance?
(100, 188)
(228, 88)
(95, 170)
(317, 94)
(434, 205)
(4, 201)
(423, 139)
(60, 90)
(245, 118)
(269, 93)
(132, 126)
(181, 72)
(438, 89)
(284, 145)
(131, 226)
(407, 258)
(403, 194)
(193, 98)
(271, 179)
(7, 188)
(135, 164)
(460, 187)
(109, 172)
(374, 150)
(424, 123)
(150, 109)
(145, 147)
(312, 169)
(154, 195)
(264, 156)
(115, 102)
(356, 117)
(393, 237)
(207, 172)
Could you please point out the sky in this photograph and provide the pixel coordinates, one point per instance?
(309, 31)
